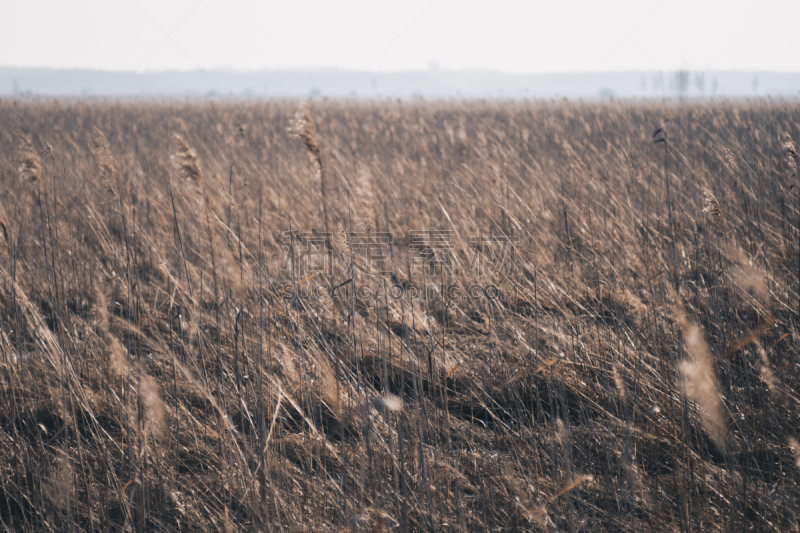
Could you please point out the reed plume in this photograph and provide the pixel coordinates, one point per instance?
(700, 378)
(711, 205)
(187, 162)
(104, 162)
(30, 165)
(792, 158)
(304, 128)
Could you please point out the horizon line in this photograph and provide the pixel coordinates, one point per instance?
(407, 71)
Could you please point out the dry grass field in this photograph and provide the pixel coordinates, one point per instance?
(511, 317)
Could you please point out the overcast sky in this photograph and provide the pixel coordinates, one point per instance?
(378, 35)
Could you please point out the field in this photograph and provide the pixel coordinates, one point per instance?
(399, 316)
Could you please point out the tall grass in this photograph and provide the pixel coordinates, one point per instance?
(165, 367)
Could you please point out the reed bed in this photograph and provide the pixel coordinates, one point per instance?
(275, 316)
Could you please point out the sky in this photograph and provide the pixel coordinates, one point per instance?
(391, 36)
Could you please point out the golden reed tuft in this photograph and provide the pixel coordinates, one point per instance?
(30, 165)
(700, 378)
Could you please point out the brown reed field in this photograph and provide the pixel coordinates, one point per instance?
(399, 316)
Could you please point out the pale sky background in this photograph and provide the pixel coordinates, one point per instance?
(515, 37)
